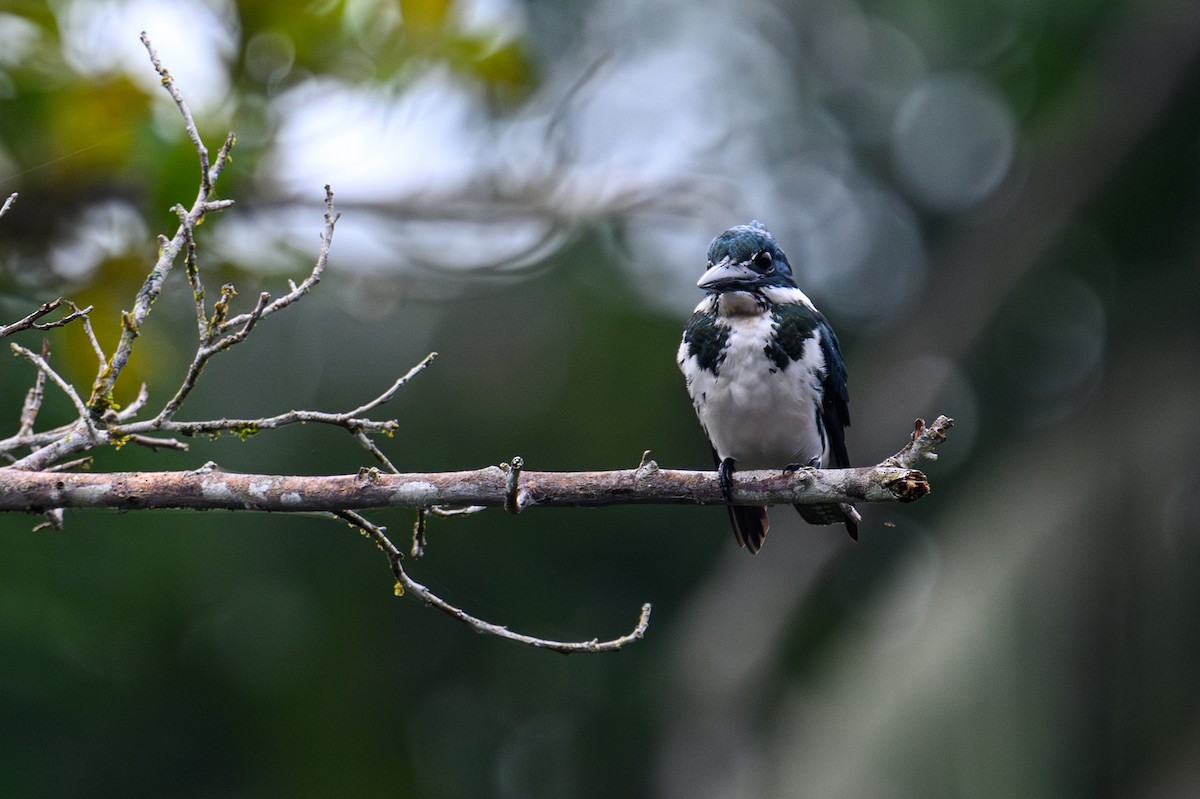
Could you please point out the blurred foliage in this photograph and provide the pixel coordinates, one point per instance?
(95, 131)
(1027, 630)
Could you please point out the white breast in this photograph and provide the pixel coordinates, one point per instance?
(752, 411)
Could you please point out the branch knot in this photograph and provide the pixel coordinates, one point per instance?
(910, 486)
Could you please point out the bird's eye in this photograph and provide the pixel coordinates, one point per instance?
(762, 262)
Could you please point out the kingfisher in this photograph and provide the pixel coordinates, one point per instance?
(765, 375)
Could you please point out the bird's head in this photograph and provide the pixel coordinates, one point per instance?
(746, 258)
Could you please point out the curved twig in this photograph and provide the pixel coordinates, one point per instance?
(407, 585)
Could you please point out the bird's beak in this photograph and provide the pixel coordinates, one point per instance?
(726, 274)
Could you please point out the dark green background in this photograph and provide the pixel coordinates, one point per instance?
(1030, 629)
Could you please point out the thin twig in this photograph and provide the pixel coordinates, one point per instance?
(407, 585)
(30, 322)
(90, 332)
(314, 277)
(249, 427)
(923, 442)
(207, 349)
(101, 399)
(83, 434)
(44, 366)
(192, 267)
(132, 409)
(66, 466)
(214, 332)
(154, 443)
(189, 122)
(34, 440)
(79, 436)
(447, 511)
(33, 400)
(399, 384)
(376, 453)
(353, 420)
(418, 537)
(222, 158)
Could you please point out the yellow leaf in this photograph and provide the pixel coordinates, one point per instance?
(424, 14)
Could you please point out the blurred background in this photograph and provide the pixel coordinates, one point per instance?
(996, 203)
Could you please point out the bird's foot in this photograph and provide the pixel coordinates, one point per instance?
(792, 468)
(725, 478)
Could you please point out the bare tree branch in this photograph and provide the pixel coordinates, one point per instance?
(101, 398)
(894, 480)
(101, 421)
(64, 442)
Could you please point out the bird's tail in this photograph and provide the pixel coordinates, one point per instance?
(833, 513)
(750, 525)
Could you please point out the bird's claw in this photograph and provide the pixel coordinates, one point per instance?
(725, 478)
(792, 468)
